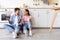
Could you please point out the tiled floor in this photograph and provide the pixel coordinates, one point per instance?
(38, 34)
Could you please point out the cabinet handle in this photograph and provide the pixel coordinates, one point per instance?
(38, 14)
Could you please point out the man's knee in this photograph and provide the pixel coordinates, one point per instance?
(5, 25)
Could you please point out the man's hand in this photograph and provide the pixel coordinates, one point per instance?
(16, 24)
(8, 19)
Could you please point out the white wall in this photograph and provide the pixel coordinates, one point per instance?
(14, 3)
(19, 3)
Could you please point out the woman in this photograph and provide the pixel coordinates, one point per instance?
(27, 19)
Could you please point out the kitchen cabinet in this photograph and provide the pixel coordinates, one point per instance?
(40, 17)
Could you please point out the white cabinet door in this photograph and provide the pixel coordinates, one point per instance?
(42, 16)
(50, 16)
(34, 13)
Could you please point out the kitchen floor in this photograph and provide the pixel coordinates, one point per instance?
(38, 34)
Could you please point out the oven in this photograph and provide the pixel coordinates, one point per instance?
(4, 14)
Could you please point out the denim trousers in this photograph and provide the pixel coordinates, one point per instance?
(11, 28)
(27, 25)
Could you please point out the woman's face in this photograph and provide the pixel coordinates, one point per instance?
(25, 13)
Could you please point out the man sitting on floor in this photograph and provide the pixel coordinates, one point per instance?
(14, 22)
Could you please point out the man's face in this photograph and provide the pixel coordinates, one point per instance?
(17, 12)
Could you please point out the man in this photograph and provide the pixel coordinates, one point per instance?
(14, 22)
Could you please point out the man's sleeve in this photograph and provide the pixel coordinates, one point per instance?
(11, 19)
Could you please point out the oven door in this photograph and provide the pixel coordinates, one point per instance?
(3, 19)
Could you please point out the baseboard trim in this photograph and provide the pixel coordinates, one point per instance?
(41, 28)
(45, 27)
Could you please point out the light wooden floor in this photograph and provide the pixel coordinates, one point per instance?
(38, 34)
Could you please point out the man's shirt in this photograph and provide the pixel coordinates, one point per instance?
(12, 19)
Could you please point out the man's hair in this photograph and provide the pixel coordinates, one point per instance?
(16, 9)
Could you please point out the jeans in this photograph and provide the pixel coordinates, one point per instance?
(27, 25)
(11, 28)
